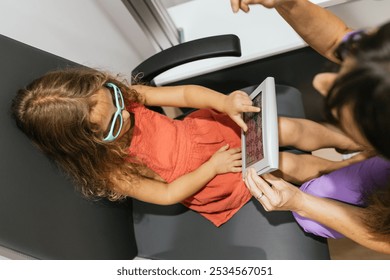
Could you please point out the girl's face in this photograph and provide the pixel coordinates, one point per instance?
(322, 83)
(104, 110)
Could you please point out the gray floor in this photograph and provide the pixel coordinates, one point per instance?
(345, 249)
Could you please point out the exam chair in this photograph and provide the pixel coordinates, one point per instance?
(43, 217)
(175, 232)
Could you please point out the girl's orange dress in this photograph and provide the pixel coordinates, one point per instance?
(172, 148)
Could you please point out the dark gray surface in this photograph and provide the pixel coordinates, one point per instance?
(174, 232)
(40, 213)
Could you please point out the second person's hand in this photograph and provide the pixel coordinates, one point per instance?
(244, 4)
(272, 192)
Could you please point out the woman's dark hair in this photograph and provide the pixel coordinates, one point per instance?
(366, 89)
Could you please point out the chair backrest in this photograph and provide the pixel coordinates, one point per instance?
(40, 213)
(214, 46)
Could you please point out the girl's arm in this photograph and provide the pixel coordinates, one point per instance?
(344, 218)
(320, 28)
(182, 96)
(193, 96)
(157, 192)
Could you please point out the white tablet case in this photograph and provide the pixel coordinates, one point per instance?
(262, 138)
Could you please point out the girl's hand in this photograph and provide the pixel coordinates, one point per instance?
(236, 103)
(272, 192)
(226, 160)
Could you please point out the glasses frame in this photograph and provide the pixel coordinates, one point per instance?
(120, 106)
(349, 43)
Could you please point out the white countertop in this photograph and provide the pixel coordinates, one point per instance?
(262, 33)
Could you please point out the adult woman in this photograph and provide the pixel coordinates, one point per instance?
(357, 100)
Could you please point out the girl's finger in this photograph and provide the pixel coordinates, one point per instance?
(223, 148)
(235, 151)
(238, 120)
(236, 169)
(251, 109)
(237, 156)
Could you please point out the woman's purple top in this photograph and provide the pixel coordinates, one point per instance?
(348, 184)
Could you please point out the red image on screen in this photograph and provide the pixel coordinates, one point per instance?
(254, 134)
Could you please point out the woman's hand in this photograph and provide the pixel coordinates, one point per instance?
(236, 103)
(244, 4)
(272, 192)
(226, 160)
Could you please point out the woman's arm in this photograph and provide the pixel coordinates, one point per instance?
(157, 192)
(320, 28)
(344, 218)
(193, 96)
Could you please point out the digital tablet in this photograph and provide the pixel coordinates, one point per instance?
(260, 144)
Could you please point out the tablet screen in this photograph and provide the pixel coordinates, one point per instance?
(254, 134)
(259, 144)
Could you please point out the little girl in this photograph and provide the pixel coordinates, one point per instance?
(100, 132)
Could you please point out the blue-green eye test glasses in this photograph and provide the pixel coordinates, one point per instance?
(117, 119)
